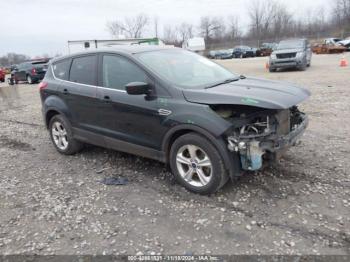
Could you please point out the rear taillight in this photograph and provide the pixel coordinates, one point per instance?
(33, 71)
(42, 85)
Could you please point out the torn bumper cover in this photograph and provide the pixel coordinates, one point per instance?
(254, 148)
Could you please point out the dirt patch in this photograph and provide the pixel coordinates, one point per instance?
(15, 144)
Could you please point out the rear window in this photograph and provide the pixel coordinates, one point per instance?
(61, 69)
(83, 70)
(39, 63)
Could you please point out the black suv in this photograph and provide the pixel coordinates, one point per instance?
(171, 105)
(32, 72)
(243, 52)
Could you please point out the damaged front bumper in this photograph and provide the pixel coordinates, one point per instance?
(254, 149)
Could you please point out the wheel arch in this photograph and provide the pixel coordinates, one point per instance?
(55, 106)
(49, 115)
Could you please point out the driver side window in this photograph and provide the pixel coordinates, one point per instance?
(118, 71)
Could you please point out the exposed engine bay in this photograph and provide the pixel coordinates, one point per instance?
(258, 133)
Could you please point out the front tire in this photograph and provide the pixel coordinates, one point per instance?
(62, 136)
(197, 164)
(303, 67)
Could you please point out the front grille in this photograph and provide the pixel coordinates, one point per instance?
(286, 55)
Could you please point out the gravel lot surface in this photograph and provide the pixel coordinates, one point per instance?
(55, 204)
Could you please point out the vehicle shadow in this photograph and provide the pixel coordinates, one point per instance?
(267, 182)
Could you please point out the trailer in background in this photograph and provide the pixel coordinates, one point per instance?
(81, 45)
(195, 44)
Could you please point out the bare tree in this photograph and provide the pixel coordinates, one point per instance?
(282, 21)
(341, 15)
(156, 25)
(261, 14)
(256, 14)
(169, 34)
(13, 58)
(232, 27)
(185, 31)
(133, 27)
(211, 26)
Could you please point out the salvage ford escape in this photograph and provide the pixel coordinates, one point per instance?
(174, 106)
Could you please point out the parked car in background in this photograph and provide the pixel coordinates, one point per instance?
(2, 75)
(220, 54)
(328, 47)
(294, 53)
(266, 49)
(256, 51)
(345, 43)
(332, 41)
(243, 52)
(207, 123)
(225, 54)
(212, 54)
(31, 72)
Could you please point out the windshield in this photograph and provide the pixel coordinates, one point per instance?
(185, 69)
(292, 44)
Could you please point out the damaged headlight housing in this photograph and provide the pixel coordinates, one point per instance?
(244, 141)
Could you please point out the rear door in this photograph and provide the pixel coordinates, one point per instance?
(131, 118)
(79, 92)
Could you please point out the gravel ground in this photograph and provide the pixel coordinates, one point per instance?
(55, 204)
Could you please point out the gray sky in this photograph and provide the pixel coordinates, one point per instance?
(37, 27)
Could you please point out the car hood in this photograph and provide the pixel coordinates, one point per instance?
(344, 42)
(252, 92)
(290, 50)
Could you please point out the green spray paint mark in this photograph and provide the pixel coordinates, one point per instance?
(248, 100)
(163, 101)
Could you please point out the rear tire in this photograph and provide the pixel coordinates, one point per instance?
(197, 164)
(29, 79)
(62, 136)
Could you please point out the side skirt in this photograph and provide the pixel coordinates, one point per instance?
(118, 145)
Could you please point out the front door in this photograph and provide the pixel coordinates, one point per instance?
(130, 118)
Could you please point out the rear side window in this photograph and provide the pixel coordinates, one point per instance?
(118, 71)
(83, 70)
(61, 69)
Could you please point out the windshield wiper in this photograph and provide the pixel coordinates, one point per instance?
(229, 80)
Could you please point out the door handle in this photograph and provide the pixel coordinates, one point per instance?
(106, 99)
(65, 91)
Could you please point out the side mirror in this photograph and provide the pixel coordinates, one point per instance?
(137, 88)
